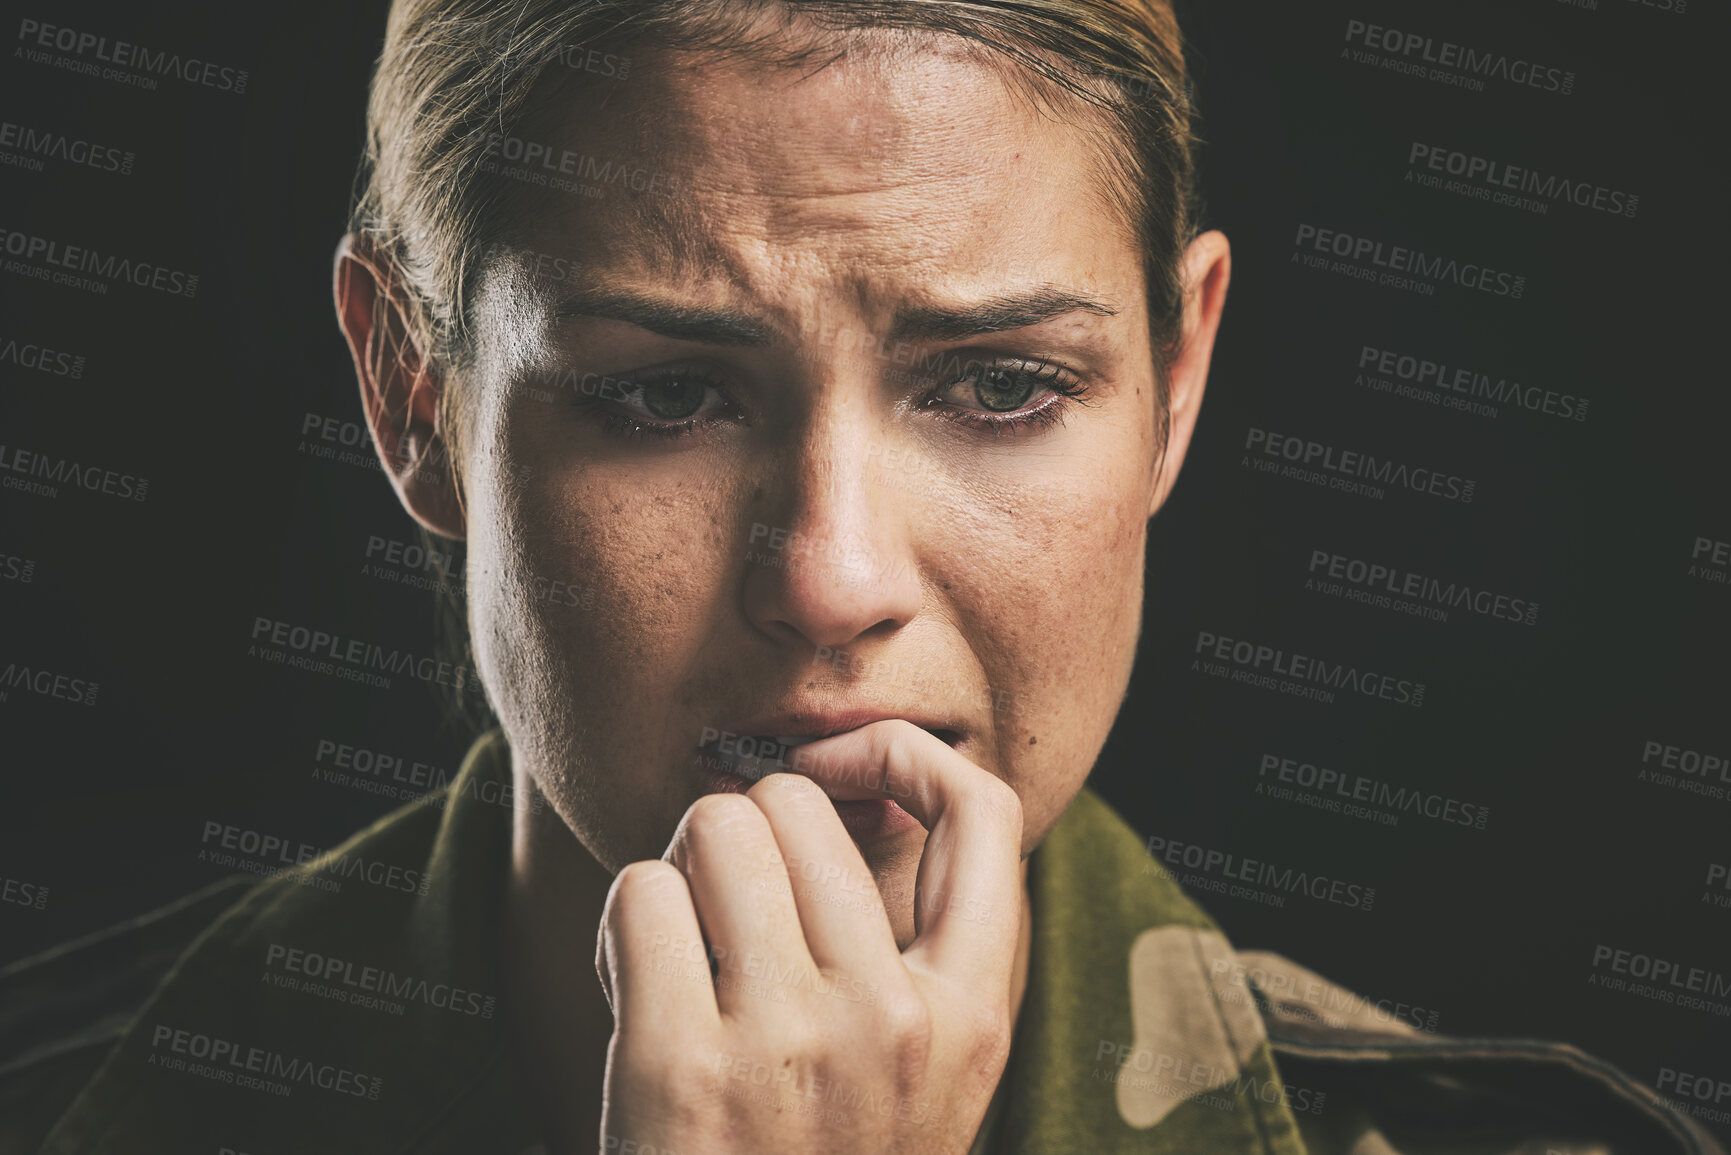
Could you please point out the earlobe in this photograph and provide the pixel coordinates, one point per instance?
(400, 390)
(1207, 271)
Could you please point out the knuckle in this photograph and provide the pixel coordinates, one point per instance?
(634, 878)
(795, 789)
(647, 874)
(897, 752)
(907, 1024)
(637, 886)
(1000, 802)
(650, 1068)
(798, 1041)
(719, 808)
(990, 1033)
(719, 817)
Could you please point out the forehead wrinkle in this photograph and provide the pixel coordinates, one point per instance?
(671, 234)
(750, 234)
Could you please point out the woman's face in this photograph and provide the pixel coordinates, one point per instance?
(789, 427)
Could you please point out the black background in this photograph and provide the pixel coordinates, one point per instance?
(1494, 930)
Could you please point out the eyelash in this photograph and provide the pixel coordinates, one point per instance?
(1066, 391)
(1064, 386)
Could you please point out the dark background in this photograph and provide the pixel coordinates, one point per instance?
(1494, 930)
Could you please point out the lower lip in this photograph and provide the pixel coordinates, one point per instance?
(866, 820)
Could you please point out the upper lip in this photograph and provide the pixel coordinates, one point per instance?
(821, 723)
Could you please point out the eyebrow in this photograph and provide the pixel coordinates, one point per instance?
(720, 326)
(994, 315)
(683, 322)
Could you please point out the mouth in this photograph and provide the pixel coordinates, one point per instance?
(731, 763)
(754, 757)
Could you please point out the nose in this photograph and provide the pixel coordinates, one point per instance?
(831, 558)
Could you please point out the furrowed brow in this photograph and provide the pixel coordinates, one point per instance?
(994, 315)
(682, 322)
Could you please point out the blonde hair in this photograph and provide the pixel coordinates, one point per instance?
(455, 74)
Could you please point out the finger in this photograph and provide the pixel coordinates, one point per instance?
(840, 911)
(967, 900)
(729, 857)
(650, 955)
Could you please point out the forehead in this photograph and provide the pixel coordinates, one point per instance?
(869, 173)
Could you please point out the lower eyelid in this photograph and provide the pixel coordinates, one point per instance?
(625, 425)
(628, 422)
(1043, 416)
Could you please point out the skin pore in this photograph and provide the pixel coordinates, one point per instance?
(839, 525)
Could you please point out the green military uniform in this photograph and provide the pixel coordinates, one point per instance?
(351, 1004)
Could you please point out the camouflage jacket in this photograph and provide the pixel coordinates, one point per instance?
(332, 1008)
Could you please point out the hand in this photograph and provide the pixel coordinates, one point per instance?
(815, 1034)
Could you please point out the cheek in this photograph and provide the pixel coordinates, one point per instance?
(612, 580)
(1050, 593)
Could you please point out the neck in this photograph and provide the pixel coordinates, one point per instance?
(555, 1009)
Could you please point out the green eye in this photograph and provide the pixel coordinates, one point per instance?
(673, 398)
(1002, 390)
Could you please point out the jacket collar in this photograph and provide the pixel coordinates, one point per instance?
(1136, 1033)
(308, 1017)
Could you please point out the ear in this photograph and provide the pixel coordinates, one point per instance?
(1207, 267)
(399, 388)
